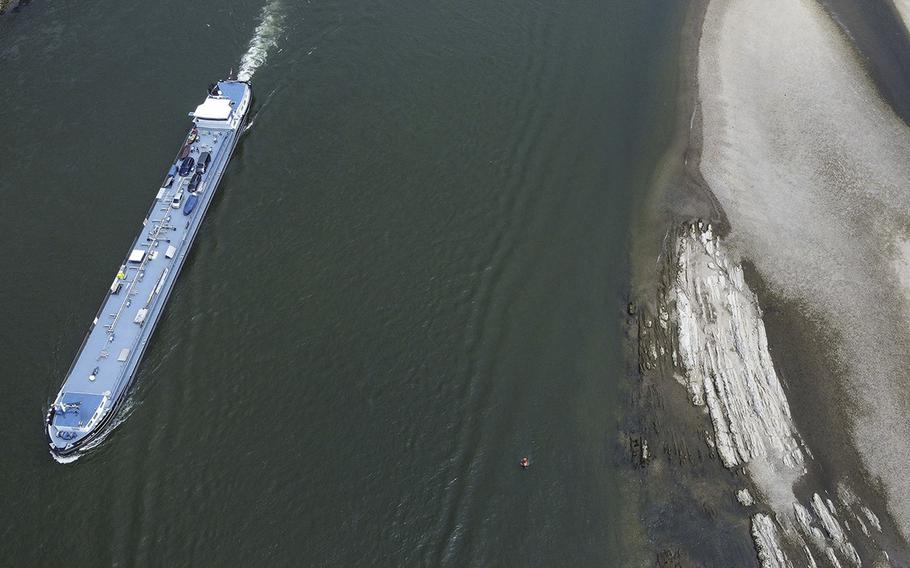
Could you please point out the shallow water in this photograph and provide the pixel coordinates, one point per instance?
(413, 276)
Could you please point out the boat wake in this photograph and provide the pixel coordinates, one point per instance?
(66, 459)
(256, 112)
(270, 28)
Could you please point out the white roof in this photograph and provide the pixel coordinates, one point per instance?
(213, 109)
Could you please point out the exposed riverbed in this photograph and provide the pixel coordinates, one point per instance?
(797, 158)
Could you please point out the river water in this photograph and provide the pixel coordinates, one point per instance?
(415, 274)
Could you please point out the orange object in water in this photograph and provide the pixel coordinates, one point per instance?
(525, 463)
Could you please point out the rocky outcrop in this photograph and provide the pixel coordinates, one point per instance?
(767, 543)
(726, 367)
(745, 498)
(724, 351)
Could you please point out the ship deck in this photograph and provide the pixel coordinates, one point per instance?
(110, 353)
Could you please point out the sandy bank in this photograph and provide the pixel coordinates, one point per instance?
(811, 169)
(903, 8)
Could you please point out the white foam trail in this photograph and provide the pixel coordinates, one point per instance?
(66, 459)
(264, 38)
(122, 414)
